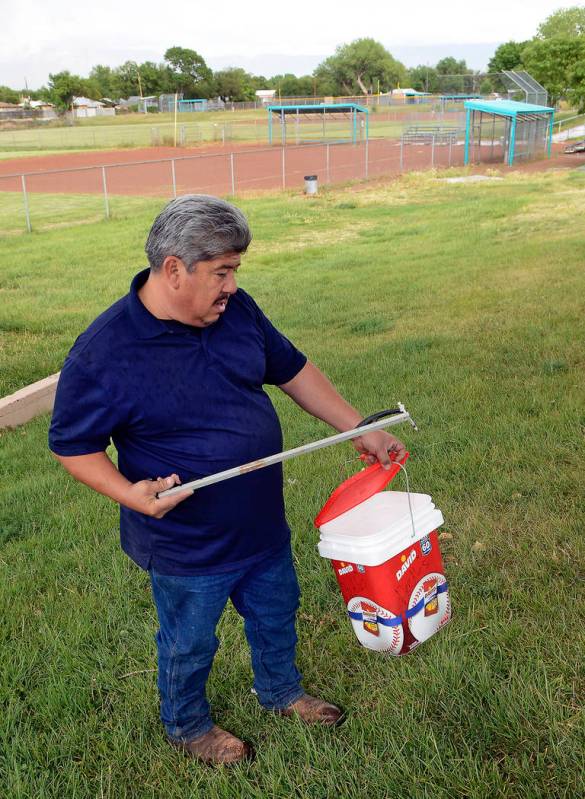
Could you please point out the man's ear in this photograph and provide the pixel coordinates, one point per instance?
(172, 268)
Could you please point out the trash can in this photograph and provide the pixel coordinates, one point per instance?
(384, 549)
(311, 184)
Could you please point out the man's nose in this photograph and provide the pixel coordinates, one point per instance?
(230, 286)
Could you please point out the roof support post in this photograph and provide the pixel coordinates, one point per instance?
(467, 131)
(512, 145)
(550, 132)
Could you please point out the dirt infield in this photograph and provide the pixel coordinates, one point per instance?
(216, 169)
(222, 170)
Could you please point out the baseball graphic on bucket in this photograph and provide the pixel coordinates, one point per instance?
(430, 604)
(367, 619)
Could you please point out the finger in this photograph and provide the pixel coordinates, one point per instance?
(384, 457)
(164, 483)
(165, 504)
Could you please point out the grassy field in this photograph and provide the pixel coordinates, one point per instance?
(466, 302)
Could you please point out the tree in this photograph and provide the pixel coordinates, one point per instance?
(423, 79)
(290, 85)
(191, 74)
(567, 22)
(358, 67)
(124, 81)
(8, 95)
(234, 84)
(63, 87)
(557, 64)
(452, 76)
(507, 56)
(155, 78)
(103, 78)
(576, 94)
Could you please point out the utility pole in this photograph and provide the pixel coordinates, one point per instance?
(140, 87)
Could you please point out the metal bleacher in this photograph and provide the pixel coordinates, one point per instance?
(427, 134)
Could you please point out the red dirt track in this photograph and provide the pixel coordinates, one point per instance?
(208, 169)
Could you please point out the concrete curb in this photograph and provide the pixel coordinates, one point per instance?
(28, 402)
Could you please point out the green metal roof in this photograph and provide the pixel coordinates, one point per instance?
(313, 109)
(507, 108)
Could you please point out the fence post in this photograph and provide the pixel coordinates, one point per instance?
(26, 208)
(283, 168)
(174, 178)
(366, 159)
(328, 171)
(105, 187)
(233, 174)
(450, 145)
(433, 153)
(402, 154)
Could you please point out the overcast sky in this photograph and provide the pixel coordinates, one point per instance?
(42, 36)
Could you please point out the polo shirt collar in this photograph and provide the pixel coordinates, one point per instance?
(147, 325)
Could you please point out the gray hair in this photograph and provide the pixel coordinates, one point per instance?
(196, 227)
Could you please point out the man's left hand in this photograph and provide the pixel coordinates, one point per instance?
(380, 446)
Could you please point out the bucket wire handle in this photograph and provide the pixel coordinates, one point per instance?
(408, 497)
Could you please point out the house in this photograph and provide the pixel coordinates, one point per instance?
(9, 111)
(84, 107)
(266, 95)
(40, 108)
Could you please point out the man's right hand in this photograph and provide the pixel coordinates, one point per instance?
(142, 497)
(97, 471)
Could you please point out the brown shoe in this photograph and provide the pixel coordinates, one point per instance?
(215, 747)
(313, 710)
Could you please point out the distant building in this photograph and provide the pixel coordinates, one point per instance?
(27, 109)
(84, 107)
(8, 109)
(41, 109)
(266, 95)
(142, 103)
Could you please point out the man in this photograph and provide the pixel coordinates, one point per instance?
(172, 373)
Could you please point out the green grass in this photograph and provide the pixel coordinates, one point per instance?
(56, 211)
(463, 301)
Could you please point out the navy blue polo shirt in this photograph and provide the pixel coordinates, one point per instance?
(189, 400)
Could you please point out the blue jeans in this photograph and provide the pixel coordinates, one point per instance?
(266, 595)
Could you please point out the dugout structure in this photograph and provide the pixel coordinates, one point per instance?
(505, 131)
(198, 104)
(333, 123)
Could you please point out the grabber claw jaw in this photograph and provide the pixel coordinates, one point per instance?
(410, 419)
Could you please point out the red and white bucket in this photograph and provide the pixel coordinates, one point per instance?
(384, 549)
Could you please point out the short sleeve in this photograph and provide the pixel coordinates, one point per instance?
(283, 360)
(85, 414)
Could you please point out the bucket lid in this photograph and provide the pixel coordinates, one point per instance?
(357, 489)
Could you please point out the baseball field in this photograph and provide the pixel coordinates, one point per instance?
(465, 302)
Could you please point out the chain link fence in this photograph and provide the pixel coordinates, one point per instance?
(383, 123)
(42, 200)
